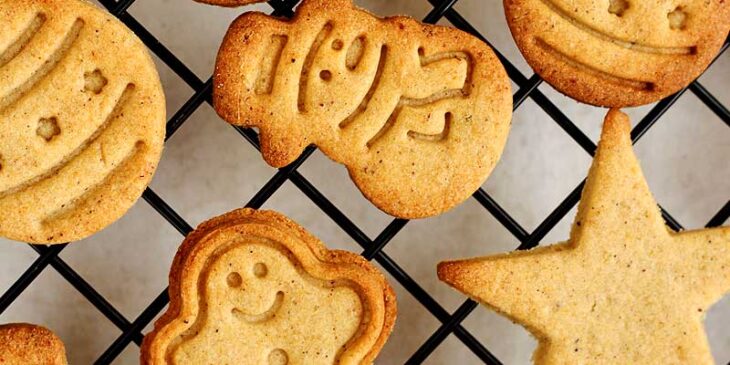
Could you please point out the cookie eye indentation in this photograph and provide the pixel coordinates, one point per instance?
(48, 128)
(338, 44)
(260, 270)
(325, 75)
(278, 357)
(618, 7)
(355, 53)
(234, 280)
(677, 18)
(94, 81)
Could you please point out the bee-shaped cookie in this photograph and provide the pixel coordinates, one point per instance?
(419, 114)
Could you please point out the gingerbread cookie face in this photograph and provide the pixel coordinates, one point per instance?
(419, 114)
(27, 344)
(82, 117)
(624, 289)
(618, 53)
(251, 287)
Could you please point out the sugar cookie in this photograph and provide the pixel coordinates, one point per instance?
(624, 289)
(27, 344)
(82, 120)
(253, 287)
(418, 113)
(618, 53)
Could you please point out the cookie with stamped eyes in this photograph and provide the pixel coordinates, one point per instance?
(253, 287)
(418, 113)
(82, 120)
(618, 53)
(29, 344)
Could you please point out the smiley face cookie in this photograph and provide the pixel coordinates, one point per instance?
(419, 114)
(618, 53)
(252, 287)
(82, 120)
(27, 344)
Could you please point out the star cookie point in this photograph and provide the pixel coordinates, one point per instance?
(623, 288)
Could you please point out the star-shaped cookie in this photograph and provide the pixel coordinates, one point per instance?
(624, 289)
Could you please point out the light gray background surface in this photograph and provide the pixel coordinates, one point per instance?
(208, 169)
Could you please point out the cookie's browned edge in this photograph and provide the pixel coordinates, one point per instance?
(42, 340)
(244, 216)
(597, 91)
(229, 3)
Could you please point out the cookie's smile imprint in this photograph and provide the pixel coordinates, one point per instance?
(263, 316)
(636, 46)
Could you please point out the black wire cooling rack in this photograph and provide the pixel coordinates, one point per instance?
(372, 248)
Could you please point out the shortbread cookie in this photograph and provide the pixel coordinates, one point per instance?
(419, 114)
(624, 289)
(253, 287)
(27, 344)
(82, 120)
(618, 53)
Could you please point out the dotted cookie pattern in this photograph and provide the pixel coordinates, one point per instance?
(419, 114)
(82, 120)
(252, 287)
(618, 53)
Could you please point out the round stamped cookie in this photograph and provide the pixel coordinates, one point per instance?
(618, 53)
(82, 120)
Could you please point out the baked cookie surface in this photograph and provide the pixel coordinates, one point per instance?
(27, 344)
(252, 287)
(624, 289)
(82, 120)
(419, 114)
(618, 53)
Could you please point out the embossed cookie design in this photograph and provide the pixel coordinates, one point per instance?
(252, 287)
(27, 344)
(82, 120)
(419, 114)
(618, 53)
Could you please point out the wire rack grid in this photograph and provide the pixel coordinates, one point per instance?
(372, 249)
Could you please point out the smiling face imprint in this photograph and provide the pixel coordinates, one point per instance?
(252, 287)
(259, 291)
(618, 52)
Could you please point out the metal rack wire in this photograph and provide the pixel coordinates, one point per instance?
(372, 248)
